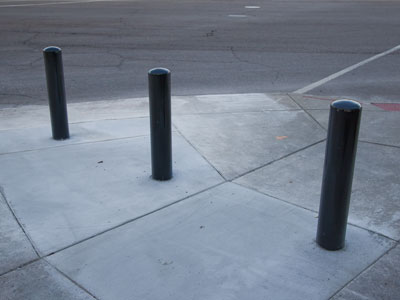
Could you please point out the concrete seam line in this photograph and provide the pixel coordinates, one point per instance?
(364, 270)
(197, 150)
(75, 144)
(3, 195)
(70, 279)
(311, 210)
(277, 159)
(133, 219)
(378, 144)
(344, 71)
(21, 266)
(273, 197)
(372, 231)
(310, 115)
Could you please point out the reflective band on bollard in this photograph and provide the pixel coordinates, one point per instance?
(56, 92)
(160, 123)
(340, 154)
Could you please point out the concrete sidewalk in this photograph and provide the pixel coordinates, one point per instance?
(82, 219)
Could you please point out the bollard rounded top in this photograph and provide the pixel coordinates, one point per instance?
(346, 105)
(52, 49)
(159, 71)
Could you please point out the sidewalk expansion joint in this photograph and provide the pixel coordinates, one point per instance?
(110, 229)
(278, 159)
(215, 169)
(235, 112)
(379, 144)
(374, 232)
(315, 211)
(3, 195)
(310, 115)
(21, 266)
(363, 270)
(74, 144)
(108, 119)
(396, 243)
(70, 279)
(276, 198)
(133, 219)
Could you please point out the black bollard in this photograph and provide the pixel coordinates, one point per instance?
(340, 154)
(56, 91)
(160, 123)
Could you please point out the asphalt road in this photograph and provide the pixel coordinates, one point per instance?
(211, 47)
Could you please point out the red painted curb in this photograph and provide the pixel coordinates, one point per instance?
(388, 106)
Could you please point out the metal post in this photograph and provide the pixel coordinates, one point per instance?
(56, 92)
(160, 123)
(340, 154)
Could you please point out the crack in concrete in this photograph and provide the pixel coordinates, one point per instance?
(277, 73)
(233, 51)
(28, 40)
(122, 59)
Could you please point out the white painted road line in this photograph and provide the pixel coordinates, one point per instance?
(51, 3)
(344, 71)
(251, 7)
(237, 16)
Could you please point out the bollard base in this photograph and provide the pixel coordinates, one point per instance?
(328, 245)
(164, 178)
(63, 138)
